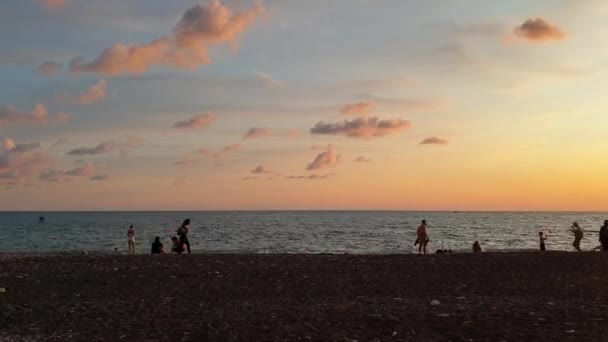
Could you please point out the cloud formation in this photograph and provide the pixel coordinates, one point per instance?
(93, 94)
(359, 108)
(266, 80)
(434, 141)
(186, 48)
(10, 115)
(328, 158)
(107, 147)
(257, 132)
(539, 30)
(361, 127)
(19, 161)
(101, 177)
(260, 169)
(49, 69)
(86, 170)
(198, 121)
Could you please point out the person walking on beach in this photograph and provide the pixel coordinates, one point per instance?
(423, 238)
(578, 235)
(541, 240)
(183, 231)
(157, 246)
(131, 240)
(604, 236)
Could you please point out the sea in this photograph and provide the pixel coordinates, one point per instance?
(353, 232)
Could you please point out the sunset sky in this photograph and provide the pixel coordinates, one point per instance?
(279, 104)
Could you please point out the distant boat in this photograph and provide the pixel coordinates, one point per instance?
(41, 219)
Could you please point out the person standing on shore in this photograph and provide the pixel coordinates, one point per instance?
(183, 231)
(131, 240)
(541, 240)
(604, 236)
(578, 235)
(423, 238)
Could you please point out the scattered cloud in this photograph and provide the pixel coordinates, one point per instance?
(86, 170)
(328, 158)
(186, 48)
(52, 5)
(49, 68)
(94, 93)
(198, 121)
(257, 132)
(539, 30)
(359, 108)
(315, 176)
(362, 159)
(10, 115)
(19, 161)
(107, 147)
(59, 142)
(309, 177)
(52, 175)
(266, 80)
(361, 127)
(101, 148)
(434, 141)
(26, 147)
(100, 177)
(260, 169)
(230, 148)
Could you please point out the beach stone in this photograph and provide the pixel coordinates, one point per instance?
(435, 302)
(444, 315)
(2, 290)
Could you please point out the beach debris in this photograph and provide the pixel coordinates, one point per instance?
(435, 302)
(444, 315)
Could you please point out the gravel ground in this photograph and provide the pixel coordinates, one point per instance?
(486, 297)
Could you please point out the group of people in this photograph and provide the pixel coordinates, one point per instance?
(179, 243)
(579, 233)
(422, 239)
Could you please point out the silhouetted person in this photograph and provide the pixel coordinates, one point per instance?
(131, 240)
(183, 235)
(177, 246)
(423, 238)
(541, 240)
(578, 235)
(604, 236)
(157, 246)
(476, 247)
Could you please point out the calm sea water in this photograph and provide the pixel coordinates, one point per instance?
(292, 232)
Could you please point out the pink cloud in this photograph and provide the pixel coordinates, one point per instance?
(52, 4)
(49, 69)
(187, 47)
(198, 121)
(93, 94)
(328, 158)
(434, 141)
(10, 115)
(259, 170)
(539, 30)
(257, 132)
(230, 148)
(359, 108)
(18, 161)
(361, 127)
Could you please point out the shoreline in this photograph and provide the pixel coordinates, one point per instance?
(317, 297)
